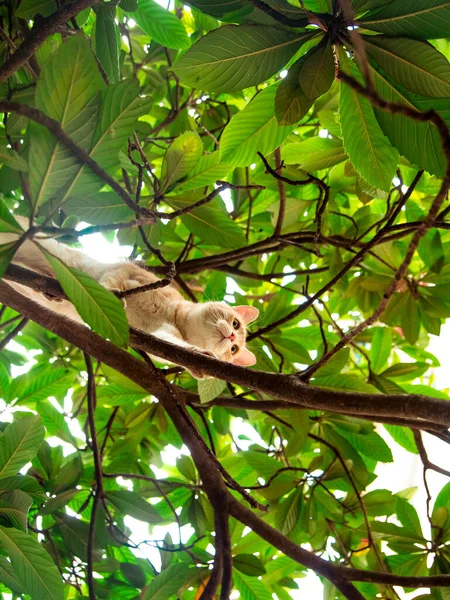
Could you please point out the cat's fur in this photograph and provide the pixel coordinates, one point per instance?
(209, 328)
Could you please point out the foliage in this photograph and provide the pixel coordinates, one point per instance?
(312, 173)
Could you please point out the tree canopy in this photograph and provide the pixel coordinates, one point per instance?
(294, 156)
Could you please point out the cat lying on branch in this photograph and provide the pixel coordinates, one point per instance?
(212, 328)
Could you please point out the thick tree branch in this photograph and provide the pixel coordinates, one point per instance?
(138, 372)
(39, 34)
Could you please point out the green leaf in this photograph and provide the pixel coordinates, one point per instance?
(9, 578)
(253, 129)
(288, 512)
(207, 170)
(423, 19)
(8, 223)
(121, 106)
(403, 436)
(371, 445)
(161, 25)
(29, 8)
(19, 444)
(128, 6)
(345, 381)
(107, 41)
(249, 564)
(168, 582)
(291, 103)
(186, 466)
(130, 503)
(22, 482)
(419, 142)
(99, 209)
(410, 321)
(208, 389)
(67, 91)
(98, 307)
(7, 252)
(180, 158)
(34, 568)
(11, 159)
(211, 223)
(39, 383)
(416, 65)
(14, 507)
(365, 143)
(406, 371)
(75, 533)
(314, 153)
(380, 349)
(408, 517)
(251, 588)
(317, 71)
(335, 364)
(234, 57)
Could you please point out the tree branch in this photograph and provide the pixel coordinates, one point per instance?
(40, 32)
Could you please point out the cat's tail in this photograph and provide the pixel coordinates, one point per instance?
(29, 254)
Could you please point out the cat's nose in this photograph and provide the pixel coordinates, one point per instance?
(231, 336)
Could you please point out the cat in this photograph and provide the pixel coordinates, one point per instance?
(212, 328)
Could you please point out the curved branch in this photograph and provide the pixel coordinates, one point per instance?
(39, 34)
(137, 371)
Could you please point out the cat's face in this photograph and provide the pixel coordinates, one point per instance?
(222, 329)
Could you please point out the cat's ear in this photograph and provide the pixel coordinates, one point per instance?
(245, 358)
(247, 313)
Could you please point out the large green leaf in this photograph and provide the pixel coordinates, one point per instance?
(369, 150)
(234, 57)
(99, 209)
(254, 129)
(130, 503)
(419, 142)
(14, 507)
(24, 483)
(291, 103)
(38, 384)
(161, 25)
(9, 578)
(423, 19)
(381, 348)
(168, 582)
(218, 10)
(251, 588)
(12, 159)
(29, 8)
(314, 153)
(211, 223)
(181, 157)
(107, 41)
(8, 223)
(210, 388)
(317, 71)
(98, 307)
(19, 444)
(67, 91)
(35, 569)
(121, 106)
(416, 65)
(207, 170)
(7, 252)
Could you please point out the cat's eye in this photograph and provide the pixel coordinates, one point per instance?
(236, 324)
(234, 349)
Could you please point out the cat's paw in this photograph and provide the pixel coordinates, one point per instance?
(200, 374)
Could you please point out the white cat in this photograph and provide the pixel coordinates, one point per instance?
(212, 328)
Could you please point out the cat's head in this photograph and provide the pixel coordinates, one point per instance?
(222, 329)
